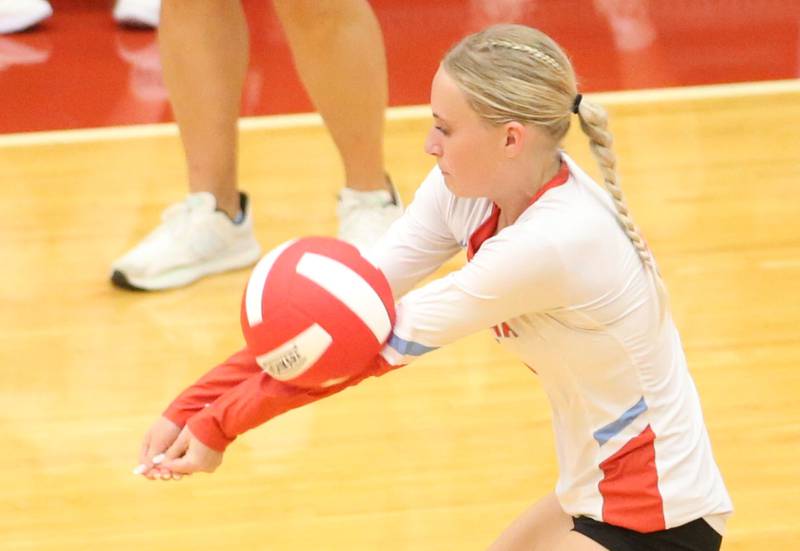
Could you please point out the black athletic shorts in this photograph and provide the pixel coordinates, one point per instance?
(692, 536)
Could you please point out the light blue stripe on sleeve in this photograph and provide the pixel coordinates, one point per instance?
(408, 348)
(605, 434)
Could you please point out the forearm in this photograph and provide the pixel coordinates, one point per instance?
(259, 399)
(226, 376)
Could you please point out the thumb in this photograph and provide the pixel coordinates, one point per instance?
(180, 465)
(143, 456)
(178, 448)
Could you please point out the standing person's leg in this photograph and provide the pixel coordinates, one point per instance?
(339, 53)
(204, 51)
(204, 54)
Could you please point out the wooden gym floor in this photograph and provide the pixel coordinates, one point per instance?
(439, 456)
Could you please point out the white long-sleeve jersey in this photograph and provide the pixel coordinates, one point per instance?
(564, 289)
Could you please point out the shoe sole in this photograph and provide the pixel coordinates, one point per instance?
(181, 278)
(119, 280)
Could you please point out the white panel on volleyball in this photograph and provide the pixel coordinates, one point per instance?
(297, 355)
(350, 288)
(255, 286)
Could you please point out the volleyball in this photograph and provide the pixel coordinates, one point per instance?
(315, 312)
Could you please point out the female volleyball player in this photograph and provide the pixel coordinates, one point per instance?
(558, 269)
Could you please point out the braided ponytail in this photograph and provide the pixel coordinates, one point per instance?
(594, 123)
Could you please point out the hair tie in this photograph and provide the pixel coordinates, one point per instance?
(577, 103)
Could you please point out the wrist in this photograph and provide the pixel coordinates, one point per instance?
(206, 429)
(179, 415)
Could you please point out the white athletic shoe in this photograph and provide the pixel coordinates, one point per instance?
(364, 216)
(193, 240)
(138, 13)
(18, 15)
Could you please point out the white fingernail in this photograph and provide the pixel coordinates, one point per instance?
(158, 459)
(140, 469)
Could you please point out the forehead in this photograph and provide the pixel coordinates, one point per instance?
(447, 99)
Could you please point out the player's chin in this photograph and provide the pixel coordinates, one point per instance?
(449, 181)
(457, 188)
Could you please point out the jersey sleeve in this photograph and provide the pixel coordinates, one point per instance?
(222, 378)
(259, 398)
(238, 395)
(513, 273)
(420, 241)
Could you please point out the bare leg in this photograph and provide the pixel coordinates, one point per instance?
(543, 527)
(577, 542)
(339, 54)
(204, 45)
(204, 51)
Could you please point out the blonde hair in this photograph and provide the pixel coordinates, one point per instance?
(517, 73)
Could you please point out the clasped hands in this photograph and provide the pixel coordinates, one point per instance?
(169, 453)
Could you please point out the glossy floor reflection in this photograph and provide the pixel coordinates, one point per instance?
(80, 70)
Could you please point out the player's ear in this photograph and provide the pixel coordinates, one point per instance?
(515, 135)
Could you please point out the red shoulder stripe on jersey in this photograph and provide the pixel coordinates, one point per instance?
(489, 226)
(484, 232)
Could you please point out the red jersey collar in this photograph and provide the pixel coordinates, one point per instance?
(489, 226)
